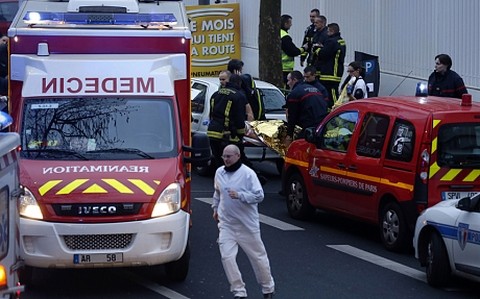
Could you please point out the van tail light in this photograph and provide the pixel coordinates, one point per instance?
(424, 165)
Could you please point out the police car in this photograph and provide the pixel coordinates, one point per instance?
(447, 240)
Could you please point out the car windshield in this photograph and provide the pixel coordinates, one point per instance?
(459, 145)
(98, 129)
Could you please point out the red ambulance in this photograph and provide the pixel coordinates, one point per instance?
(100, 91)
(384, 160)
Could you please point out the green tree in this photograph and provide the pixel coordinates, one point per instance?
(269, 44)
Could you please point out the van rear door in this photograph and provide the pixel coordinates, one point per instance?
(455, 160)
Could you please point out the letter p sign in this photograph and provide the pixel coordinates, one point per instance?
(369, 66)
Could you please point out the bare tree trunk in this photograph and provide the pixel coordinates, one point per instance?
(270, 57)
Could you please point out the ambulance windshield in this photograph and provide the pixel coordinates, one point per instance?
(459, 145)
(98, 129)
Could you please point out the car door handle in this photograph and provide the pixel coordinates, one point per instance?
(352, 167)
(341, 165)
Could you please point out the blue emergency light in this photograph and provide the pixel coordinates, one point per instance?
(5, 120)
(60, 18)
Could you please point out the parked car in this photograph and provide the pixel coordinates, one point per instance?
(447, 240)
(383, 160)
(8, 9)
(274, 100)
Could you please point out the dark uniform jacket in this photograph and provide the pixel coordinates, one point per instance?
(227, 114)
(306, 107)
(449, 84)
(307, 39)
(331, 58)
(253, 97)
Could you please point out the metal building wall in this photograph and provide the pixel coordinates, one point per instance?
(405, 34)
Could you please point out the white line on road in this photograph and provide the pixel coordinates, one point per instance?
(380, 261)
(159, 289)
(264, 219)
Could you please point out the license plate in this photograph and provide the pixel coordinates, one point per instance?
(451, 195)
(98, 258)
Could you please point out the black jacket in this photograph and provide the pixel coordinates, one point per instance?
(331, 58)
(306, 107)
(449, 84)
(307, 39)
(227, 114)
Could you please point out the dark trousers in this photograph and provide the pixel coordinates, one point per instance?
(332, 88)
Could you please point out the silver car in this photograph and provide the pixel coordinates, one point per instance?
(273, 98)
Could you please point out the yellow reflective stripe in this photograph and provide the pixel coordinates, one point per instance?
(436, 122)
(115, 184)
(156, 182)
(214, 134)
(71, 186)
(296, 162)
(95, 189)
(434, 168)
(434, 144)
(330, 78)
(333, 170)
(472, 176)
(227, 114)
(48, 186)
(142, 186)
(450, 175)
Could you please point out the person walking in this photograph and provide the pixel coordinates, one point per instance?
(308, 36)
(289, 50)
(330, 61)
(235, 208)
(443, 82)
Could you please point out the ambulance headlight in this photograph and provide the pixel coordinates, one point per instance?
(168, 202)
(28, 206)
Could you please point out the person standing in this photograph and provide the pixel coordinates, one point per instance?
(306, 106)
(235, 208)
(310, 77)
(227, 117)
(255, 101)
(321, 35)
(443, 82)
(308, 36)
(289, 50)
(330, 61)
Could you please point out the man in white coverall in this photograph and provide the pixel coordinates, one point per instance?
(235, 208)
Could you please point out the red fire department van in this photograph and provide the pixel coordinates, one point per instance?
(384, 160)
(100, 94)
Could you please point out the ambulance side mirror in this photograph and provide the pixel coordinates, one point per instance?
(310, 135)
(200, 150)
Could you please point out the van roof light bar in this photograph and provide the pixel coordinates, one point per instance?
(59, 18)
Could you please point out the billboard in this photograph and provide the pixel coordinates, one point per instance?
(215, 37)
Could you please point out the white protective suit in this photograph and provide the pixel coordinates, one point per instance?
(239, 226)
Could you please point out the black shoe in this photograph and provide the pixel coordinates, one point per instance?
(238, 297)
(268, 296)
(263, 180)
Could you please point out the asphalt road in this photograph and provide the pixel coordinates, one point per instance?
(328, 257)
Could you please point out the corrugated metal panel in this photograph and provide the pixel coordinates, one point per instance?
(406, 34)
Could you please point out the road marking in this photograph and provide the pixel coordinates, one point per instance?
(157, 288)
(380, 261)
(264, 219)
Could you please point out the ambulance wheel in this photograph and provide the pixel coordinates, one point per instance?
(438, 267)
(25, 275)
(394, 231)
(178, 270)
(297, 199)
